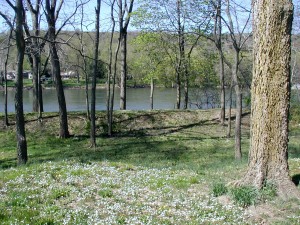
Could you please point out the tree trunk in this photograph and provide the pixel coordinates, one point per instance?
(20, 122)
(5, 96)
(63, 116)
(270, 96)
(124, 19)
(151, 93)
(111, 74)
(87, 102)
(229, 113)
(186, 86)
(55, 64)
(222, 87)
(181, 70)
(218, 42)
(238, 108)
(123, 70)
(178, 95)
(5, 79)
(93, 94)
(37, 89)
(35, 54)
(82, 48)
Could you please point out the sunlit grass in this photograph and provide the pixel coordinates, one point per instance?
(159, 168)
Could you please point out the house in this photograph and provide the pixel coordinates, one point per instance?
(69, 75)
(27, 75)
(11, 75)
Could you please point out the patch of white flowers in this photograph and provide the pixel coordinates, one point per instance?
(99, 193)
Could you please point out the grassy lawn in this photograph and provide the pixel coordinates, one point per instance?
(161, 167)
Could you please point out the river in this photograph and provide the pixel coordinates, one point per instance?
(137, 99)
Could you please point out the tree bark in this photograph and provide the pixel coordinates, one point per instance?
(238, 108)
(181, 62)
(35, 56)
(178, 86)
(123, 69)
(186, 85)
(218, 43)
(93, 94)
(123, 23)
(222, 87)
(55, 64)
(111, 74)
(229, 111)
(268, 157)
(151, 92)
(5, 79)
(20, 121)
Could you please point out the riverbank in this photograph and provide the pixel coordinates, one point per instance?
(71, 84)
(160, 167)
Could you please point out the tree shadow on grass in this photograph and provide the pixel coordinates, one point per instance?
(138, 146)
(8, 162)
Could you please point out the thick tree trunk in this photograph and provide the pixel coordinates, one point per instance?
(20, 122)
(123, 70)
(270, 96)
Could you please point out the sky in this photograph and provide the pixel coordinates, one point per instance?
(89, 14)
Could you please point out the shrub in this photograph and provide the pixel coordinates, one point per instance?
(219, 189)
(268, 192)
(245, 195)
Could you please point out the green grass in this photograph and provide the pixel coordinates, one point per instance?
(159, 173)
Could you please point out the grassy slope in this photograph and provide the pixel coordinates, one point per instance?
(159, 168)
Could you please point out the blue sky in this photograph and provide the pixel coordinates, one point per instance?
(90, 13)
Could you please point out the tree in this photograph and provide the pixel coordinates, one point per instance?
(34, 53)
(217, 39)
(93, 91)
(149, 59)
(22, 156)
(124, 19)
(174, 21)
(52, 13)
(238, 39)
(268, 162)
(112, 71)
(5, 77)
